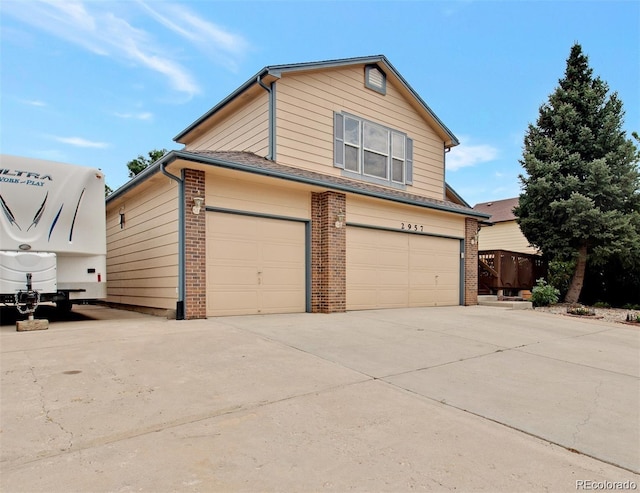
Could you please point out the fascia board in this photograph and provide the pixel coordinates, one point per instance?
(188, 156)
(273, 72)
(231, 97)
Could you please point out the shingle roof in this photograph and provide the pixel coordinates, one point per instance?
(250, 162)
(500, 210)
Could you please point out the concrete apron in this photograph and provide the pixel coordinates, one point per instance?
(439, 399)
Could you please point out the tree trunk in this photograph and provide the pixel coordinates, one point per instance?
(573, 294)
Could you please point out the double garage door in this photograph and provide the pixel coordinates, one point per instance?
(388, 269)
(257, 265)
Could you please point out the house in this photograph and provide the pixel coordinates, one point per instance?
(502, 231)
(316, 187)
(507, 264)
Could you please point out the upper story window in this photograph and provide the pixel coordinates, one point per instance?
(372, 151)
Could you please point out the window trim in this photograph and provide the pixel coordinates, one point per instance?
(340, 144)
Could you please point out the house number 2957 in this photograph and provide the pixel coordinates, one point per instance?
(411, 227)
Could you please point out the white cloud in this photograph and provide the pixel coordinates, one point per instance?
(102, 32)
(466, 155)
(80, 142)
(34, 102)
(208, 37)
(143, 115)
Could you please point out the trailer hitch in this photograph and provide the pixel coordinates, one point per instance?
(30, 299)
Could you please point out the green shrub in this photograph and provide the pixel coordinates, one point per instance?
(601, 304)
(544, 294)
(560, 273)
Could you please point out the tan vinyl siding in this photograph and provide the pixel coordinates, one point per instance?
(142, 257)
(305, 106)
(246, 129)
(258, 195)
(374, 212)
(504, 236)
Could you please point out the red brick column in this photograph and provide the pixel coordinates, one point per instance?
(328, 254)
(195, 248)
(471, 262)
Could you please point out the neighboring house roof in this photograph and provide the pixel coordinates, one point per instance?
(274, 72)
(252, 163)
(500, 210)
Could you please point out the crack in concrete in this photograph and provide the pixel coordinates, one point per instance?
(586, 420)
(45, 411)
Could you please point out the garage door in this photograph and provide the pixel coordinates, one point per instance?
(391, 270)
(254, 265)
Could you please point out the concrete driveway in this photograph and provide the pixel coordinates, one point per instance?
(434, 399)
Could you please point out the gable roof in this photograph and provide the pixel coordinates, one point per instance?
(252, 163)
(274, 72)
(500, 210)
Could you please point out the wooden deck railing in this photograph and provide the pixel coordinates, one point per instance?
(500, 270)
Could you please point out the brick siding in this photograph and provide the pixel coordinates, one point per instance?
(328, 254)
(195, 248)
(470, 262)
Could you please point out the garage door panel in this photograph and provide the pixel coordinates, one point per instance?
(241, 275)
(282, 252)
(254, 265)
(233, 302)
(421, 297)
(392, 298)
(282, 301)
(225, 249)
(394, 269)
(283, 277)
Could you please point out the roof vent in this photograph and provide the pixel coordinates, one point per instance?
(375, 79)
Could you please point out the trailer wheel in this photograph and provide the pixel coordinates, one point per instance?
(64, 306)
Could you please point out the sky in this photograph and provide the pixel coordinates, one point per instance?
(98, 83)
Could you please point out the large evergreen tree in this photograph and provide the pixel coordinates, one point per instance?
(581, 188)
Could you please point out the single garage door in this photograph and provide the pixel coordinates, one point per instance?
(254, 265)
(388, 269)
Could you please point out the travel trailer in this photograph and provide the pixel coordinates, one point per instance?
(52, 233)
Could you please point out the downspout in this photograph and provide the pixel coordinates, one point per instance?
(463, 252)
(445, 151)
(180, 308)
(272, 118)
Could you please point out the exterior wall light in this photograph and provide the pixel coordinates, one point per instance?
(340, 219)
(198, 201)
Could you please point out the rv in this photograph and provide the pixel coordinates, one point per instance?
(52, 233)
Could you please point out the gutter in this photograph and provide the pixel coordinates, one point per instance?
(188, 156)
(148, 172)
(170, 157)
